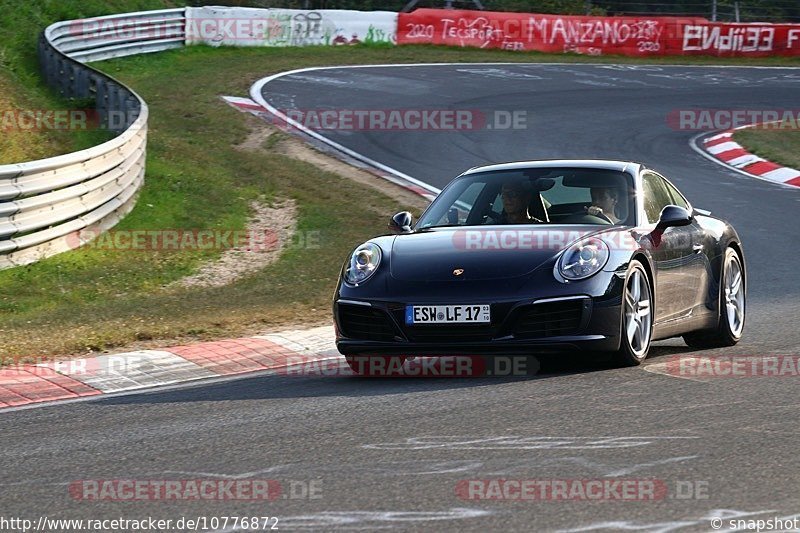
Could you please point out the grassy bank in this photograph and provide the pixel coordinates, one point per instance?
(22, 89)
(780, 145)
(93, 299)
(16, 145)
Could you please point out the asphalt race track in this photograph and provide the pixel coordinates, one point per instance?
(391, 453)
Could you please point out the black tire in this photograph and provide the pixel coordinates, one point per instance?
(375, 365)
(630, 354)
(724, 334)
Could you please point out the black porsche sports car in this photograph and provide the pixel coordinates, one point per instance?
(545, 256)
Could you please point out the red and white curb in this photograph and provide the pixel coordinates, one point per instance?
(22, 385)
(246, 105)
(724, 149)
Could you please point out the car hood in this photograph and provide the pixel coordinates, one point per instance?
(491, 252)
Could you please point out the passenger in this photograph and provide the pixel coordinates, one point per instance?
(604, 203)
(517, 196)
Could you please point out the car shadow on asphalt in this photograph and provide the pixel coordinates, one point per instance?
(337, 380)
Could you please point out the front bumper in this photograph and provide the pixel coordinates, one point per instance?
(531, 326)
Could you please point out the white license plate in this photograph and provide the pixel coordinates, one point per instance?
(448, 314)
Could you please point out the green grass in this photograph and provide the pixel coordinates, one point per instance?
(93, 299)
(780, 145)
(21, 87)
(15, 145)
(19, 143)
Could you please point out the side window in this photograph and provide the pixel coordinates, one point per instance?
(656, 196)
(677, 197)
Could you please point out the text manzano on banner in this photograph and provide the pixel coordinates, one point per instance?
(633, 36)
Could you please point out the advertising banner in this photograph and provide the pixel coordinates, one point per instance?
(236, 26)
(632, 36)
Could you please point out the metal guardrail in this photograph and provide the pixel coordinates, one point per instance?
(45, 204)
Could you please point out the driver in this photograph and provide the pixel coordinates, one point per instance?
(604, 203)
(517, 196)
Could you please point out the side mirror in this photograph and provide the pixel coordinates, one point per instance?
(452, 216)
(673, 215)
(401, 222)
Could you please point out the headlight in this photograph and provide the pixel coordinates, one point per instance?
(363, 263)
(583, 259)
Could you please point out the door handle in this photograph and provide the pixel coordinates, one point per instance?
(697, 248)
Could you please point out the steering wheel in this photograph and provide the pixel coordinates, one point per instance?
(603, 216)
(586, 218)
(493, 215)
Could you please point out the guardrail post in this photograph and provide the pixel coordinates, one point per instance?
(112, 99)
(81, 85)
(101, 100)
(131, 111)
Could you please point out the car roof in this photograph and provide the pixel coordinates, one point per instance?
(604, 164)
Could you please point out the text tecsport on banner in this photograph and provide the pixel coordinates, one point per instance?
(544, 33)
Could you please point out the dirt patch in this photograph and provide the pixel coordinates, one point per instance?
(278, 221)
(266, 136)
(271, 227)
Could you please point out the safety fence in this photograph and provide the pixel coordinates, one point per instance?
(44, 204)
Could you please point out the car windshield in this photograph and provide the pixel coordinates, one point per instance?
(534, 196)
